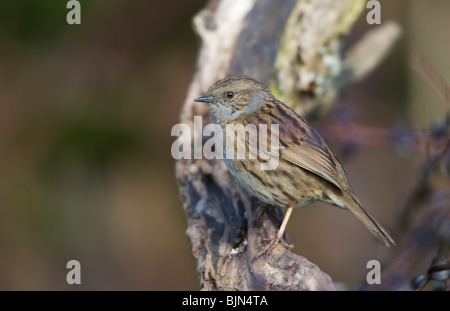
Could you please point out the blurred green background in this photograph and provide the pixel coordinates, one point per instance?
(85, 166)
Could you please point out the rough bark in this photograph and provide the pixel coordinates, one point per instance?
(292, 46)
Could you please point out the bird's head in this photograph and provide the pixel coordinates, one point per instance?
(233, 96)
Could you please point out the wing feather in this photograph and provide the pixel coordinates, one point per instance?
(300, 144)
(312, 158)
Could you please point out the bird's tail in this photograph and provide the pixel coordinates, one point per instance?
(352, 203)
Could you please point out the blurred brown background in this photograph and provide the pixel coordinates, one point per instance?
(85, 166)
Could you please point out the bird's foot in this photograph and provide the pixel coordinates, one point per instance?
(269, 247)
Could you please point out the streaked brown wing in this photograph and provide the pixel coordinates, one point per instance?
(304, 147)
(311, 158)
(300, 144)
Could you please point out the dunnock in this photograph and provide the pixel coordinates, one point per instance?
(307, 169)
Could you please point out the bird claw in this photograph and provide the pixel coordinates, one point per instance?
(288, 246)
(268, 249)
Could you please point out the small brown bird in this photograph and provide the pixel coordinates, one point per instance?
(307, 169)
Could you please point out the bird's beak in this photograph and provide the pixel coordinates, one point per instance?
(208, 99)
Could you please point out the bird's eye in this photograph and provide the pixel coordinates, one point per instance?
(230, 94)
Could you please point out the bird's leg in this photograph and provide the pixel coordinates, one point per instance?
(278, 237)
(283, 226)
